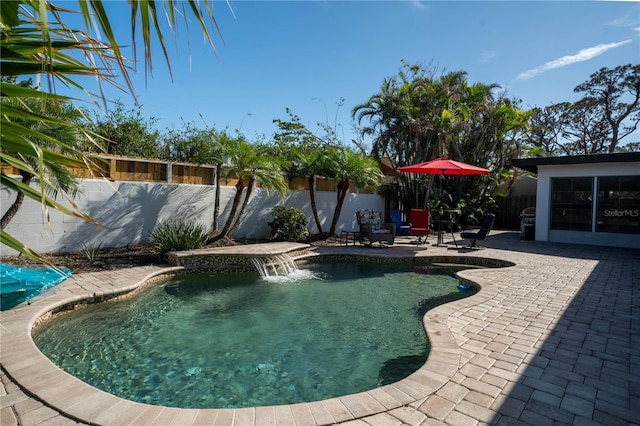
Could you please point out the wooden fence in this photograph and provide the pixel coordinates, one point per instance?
(509, 209)
(143, 170)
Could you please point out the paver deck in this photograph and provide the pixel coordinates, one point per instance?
(554, 339)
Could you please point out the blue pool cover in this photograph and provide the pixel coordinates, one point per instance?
(18, 284)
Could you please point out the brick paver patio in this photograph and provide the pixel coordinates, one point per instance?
(554, 339)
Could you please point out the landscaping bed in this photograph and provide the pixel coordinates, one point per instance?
(123, 257)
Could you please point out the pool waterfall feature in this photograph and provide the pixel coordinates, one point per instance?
(268, 258)
(280, 264)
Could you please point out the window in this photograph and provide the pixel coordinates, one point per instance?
(571, 205)
(618, 208)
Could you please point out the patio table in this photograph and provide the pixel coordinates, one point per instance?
(345, 235)
(453, 216)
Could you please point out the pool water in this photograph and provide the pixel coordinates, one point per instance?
(238, 340)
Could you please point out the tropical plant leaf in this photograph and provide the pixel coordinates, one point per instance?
(9, 11)
(23, 146)
(18, 91)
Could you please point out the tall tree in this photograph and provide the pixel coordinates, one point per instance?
(418, 117)
(617, 92)
(248, 166)
(491, 140)
(181, 144)
(584, 128)
(293, 136)
(303, 153)
(543, 135)
(310, 164)
(381, 111)
(348, 166)
(215, 155)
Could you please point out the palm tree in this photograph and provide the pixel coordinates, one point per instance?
(36, 40)
(418, 117)
(309, 164)
(58, 179)
(216, 157)
(245, 163)
(349, 166)
(381, 111)
(303, 153)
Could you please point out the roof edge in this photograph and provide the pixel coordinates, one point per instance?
(531, 164)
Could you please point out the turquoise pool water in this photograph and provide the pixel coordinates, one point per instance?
(237, 340)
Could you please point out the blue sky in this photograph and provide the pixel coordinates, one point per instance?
(307, 55)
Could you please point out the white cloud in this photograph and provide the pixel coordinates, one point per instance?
(628, 20)
(487, 56)
(419, 4)
(581, 56)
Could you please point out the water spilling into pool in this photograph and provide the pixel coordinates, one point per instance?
(238, 340)
(274, 266)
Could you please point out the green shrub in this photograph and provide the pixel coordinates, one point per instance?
(177, 236)
(288, 224)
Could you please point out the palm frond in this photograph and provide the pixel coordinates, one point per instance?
(37, 40)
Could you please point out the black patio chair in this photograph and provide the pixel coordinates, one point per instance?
(372, 229)
(486, 224)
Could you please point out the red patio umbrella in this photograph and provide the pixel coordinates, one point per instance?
(442, 167)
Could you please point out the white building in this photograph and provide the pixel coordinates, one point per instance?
(587, 199)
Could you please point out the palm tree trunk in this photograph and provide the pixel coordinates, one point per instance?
(343, 186)
(314, 208)
(243, 209)
(13, 209)
(216, 201)
(234, 209)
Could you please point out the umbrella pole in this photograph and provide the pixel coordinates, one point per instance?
(440, 242)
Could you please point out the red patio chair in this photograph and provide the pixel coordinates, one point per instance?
(420, 222)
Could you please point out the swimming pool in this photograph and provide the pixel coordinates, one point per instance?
(235, 340)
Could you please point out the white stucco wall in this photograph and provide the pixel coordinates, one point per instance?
(543, 204)
(130, 210)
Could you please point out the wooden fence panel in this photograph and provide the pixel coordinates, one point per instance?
(158, 172)
(326, 185)
(509, 209)
(142, 170)
(299, 183)
(10, 170)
